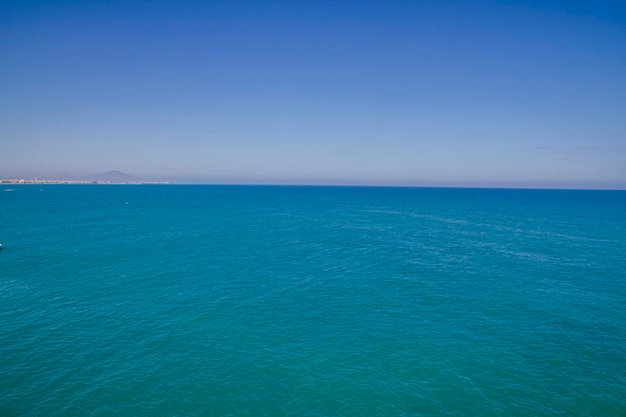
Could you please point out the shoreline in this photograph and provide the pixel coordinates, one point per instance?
(80, 182)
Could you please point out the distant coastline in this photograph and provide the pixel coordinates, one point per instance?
(39, 181)
(110, 177)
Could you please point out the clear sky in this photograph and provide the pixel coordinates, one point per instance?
(478, 93)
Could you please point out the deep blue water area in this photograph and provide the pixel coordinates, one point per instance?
(142, 300)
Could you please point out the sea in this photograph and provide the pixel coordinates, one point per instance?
(213, 300)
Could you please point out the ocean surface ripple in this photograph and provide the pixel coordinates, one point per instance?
(311, 301)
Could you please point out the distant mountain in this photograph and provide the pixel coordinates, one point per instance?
(115, 176)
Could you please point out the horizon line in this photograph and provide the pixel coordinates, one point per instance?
(289, 184)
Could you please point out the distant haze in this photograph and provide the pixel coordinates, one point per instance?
(444, 93)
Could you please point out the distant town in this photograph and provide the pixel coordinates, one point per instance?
(40, 181)
(111, 177)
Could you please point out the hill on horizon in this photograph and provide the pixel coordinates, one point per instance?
(114, 176)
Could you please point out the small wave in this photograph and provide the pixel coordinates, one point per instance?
(528, 256)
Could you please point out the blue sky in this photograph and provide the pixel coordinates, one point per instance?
(370, 92)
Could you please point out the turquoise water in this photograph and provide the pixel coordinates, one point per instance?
(311, 301)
